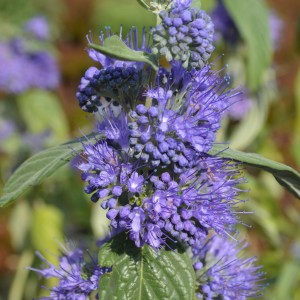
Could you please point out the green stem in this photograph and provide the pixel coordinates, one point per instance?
(143, 4)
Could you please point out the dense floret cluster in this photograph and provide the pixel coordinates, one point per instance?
(185, 34)
(150, 164)
(223, 271)
(26, 68)
(77, 278)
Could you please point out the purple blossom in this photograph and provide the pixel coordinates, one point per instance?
(222, 271)
(38, 26)
(25, 70)
(185, 34)
(224, 25)
(77, 278)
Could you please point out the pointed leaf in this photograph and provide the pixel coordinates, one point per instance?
(116, 48)
(40, 166)
(252, 20)
(285, 175)
(143, 274)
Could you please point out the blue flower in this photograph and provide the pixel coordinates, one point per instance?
(223, 271)
(185, 34)
(77, 278)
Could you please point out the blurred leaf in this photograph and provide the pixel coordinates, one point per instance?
(135, 15)
(47, 230)
(41, 111)
(288, 280)
(16, 291)
(296, 137)
(19, 224)
(285, 175)
(116, 48)
(247, 130)
(252, 21)
(143, 274)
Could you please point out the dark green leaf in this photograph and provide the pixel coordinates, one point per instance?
(116, 48)
(143, 274)
(34, 170)
(252, 21)
(285, 175)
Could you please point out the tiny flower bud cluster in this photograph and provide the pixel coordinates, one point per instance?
(185, 34)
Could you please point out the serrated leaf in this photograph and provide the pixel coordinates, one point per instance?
(34, 170)
(285, 175)
(116, 48)
(252, 21)
(143, 274)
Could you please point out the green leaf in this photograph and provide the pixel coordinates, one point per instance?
(116, 48)
(285, 175)
(44, 105)
(143, 274)
(252, 21)
(34, 170)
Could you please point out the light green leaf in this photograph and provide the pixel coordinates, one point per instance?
(143, 274)
(41, 111)
(285, 175)
(252, 21)
(116, 48)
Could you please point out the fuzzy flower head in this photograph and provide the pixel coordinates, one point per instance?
(223, 272)
(152, 203)
(182, 121)
(77, 279)
(185, 34)
(25, 69)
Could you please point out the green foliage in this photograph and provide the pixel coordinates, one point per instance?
(143, 274)
(34, 170)
(116, 48)
(48, 114)
(285, 175)
(251, 19)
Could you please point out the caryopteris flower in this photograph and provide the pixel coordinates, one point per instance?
(118, 83)
(185, 34)
(224, 273)
(77, 277)
(26, 68)
(149, 163)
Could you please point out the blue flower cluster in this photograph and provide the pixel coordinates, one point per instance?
(223, 271)
(77, 278)
(149, 164)
(26, 68)
(185, 34)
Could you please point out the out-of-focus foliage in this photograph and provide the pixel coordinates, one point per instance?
(37, 119)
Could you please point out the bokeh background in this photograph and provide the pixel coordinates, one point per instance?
(42, 58)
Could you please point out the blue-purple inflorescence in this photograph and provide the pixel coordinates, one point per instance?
(224, 273)
(27, 68)
(149, 163)
(151, 170)
(77, 278)
(185, 34)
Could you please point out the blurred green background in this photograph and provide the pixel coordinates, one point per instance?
(58, 212)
